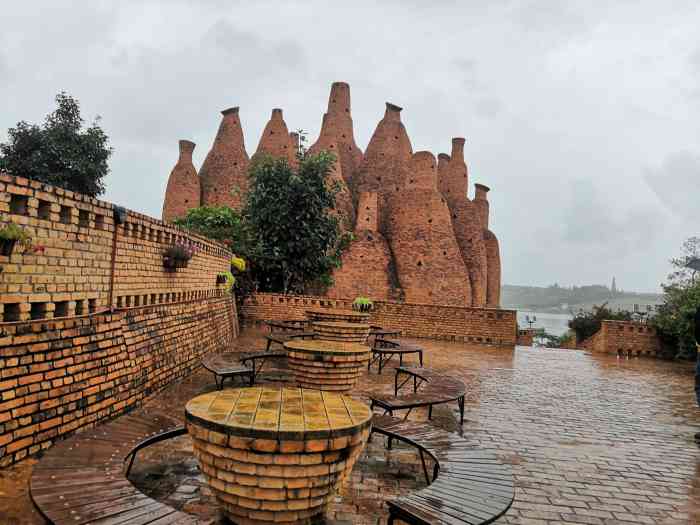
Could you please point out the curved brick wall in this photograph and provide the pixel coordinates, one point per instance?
(428, 260)
(337, 130)
(182, 192)
(493, 255)
(85, 335)
(224, 174)
(275, 140)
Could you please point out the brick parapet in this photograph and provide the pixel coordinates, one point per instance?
(487, 326)
(623, 338)
(73, 275)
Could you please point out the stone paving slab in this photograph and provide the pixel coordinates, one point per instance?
(592, 440)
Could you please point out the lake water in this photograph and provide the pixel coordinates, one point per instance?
(555, 324)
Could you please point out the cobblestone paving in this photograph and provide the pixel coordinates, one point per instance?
(592, 440)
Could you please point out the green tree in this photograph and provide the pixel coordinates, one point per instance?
(295, 240)
(585, 324)
(674, 320)
(219, 223)
(60, 152)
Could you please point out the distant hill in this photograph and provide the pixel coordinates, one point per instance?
(558, 299)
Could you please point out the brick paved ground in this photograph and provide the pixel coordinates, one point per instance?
(591, 439)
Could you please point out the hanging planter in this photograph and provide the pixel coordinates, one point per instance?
(11, 235)
(178, 256)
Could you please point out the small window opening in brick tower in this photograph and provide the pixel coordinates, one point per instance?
(44, 211)
(18, 204)
(83, 218)
(79, 307)
(92, 305)
(61, 309)
(65, 215)
(420, 263)
(37, 311)
(99, 222)
(11, 312)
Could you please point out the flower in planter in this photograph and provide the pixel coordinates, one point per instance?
(10, 235)
(226, 278)
(362, 304)
(238, 263)
(178, 255)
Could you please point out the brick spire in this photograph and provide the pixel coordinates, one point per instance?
(182, 191)
(276, 141)
(224, 174)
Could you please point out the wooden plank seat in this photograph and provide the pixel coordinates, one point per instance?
(227, 365)
(468, 485)
(82, 479)
(438, 389)
(283, 331)
(383, 353)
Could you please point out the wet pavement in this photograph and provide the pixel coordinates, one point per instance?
(592, 439)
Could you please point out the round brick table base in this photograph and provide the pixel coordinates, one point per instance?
(341, 331)
(326, 365)
(276, 455)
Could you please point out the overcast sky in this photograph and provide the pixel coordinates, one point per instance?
(583, 120)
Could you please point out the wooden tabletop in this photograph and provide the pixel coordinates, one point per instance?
(278, 412)
(322, 346)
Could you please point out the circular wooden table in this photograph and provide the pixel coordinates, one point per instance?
(326, 365)
(337, 314)
(276, 454)
(341, 331)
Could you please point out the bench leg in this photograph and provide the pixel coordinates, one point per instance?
(389, 441)
(390, 520)
(420, 358)
(267, 348)
(131, 464)
(400, 359)
(460, 401)
(396, 384)
(219, 385)
(425, 469)
(436, 468)
(430, 411)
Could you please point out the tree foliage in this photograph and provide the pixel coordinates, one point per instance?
(585, 324)
(295, 240)
(674, 320)
(60, 152)
(220, 223)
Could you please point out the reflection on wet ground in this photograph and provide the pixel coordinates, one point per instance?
(592, 439)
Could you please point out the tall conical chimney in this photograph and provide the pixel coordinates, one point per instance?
(224, 174)
(482, 204)
(337, 128)
(182, 192)
(275, 140)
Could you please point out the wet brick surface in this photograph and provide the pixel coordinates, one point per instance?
(592, 440)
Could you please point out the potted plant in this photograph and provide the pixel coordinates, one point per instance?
(226, 278)
(178, 255)
(362, 304)
(12, 234)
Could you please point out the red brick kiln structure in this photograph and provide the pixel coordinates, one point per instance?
(419, 238)
(224, 174)
(183, 191)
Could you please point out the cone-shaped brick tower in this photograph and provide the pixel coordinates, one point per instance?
(428, 261)
(468, 229)
(493, 253)
(276, 140)
(224, 174)
(337, 128)
(367, 266)
(182, 191)
(343, 198)
(493, 278)
(386, 161)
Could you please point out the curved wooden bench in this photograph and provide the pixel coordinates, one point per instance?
(283, 331)
(469, 486)
(82, 480)
(439, 389)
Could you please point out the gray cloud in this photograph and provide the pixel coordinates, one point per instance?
(573, 115)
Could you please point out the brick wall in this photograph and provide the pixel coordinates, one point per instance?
(73, 275)
(61, 375)
(526, 336)
(624, 338)
(453, 323)
(94, 324)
